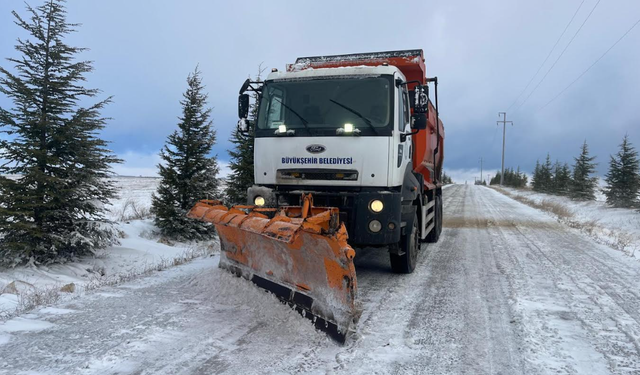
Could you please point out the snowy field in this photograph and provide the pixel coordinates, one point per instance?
(138, 253)
(508, 290)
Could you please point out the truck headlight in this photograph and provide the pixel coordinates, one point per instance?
(258, 201)
(376, 205)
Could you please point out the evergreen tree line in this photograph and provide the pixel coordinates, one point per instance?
(578, 181)
(553, 178)
(512, 178)
(446, 179)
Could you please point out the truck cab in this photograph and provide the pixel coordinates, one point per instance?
(344, 128)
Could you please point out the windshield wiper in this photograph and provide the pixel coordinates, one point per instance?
(304, 122)
(366, 120)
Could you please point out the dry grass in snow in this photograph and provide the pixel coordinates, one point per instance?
(616, 227)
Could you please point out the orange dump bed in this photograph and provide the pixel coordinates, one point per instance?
(411, 64)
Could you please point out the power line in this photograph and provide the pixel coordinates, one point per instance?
(548, 55)
(559, 56)
(594, 63)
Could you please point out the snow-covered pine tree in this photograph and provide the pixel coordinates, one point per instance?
(189, 172)
(583, 186)
(54, 210)
(241, 163)
(623, 178)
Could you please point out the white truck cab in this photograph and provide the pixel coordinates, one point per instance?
(343, 134)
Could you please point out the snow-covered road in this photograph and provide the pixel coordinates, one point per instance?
(507, 290)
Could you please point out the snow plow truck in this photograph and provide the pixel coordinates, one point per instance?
(348, 154)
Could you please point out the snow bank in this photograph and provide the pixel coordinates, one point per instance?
(618, 228)
(140, 251)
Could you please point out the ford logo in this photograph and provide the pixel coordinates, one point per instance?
(316, 149)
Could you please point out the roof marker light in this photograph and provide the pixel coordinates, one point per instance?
(348, 128)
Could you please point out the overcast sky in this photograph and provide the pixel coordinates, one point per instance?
(484, 53)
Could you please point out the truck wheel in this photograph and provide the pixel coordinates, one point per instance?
(408, 245)
(434, 235)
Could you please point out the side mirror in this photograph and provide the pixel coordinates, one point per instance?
(421, 99)
(243, 105)
(419, 121)
(245, 86)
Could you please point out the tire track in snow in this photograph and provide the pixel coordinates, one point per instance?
(463, 320)
(577, 276)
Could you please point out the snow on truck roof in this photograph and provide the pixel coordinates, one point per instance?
(409, 62)
(307, 73)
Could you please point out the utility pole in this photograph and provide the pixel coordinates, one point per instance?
(504, 130)
(481, 170)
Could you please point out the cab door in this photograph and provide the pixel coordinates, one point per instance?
(405, 148)
(401, 146)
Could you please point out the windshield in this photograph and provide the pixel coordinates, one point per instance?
(321, 106)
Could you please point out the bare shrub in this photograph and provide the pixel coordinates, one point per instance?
(38, 297)
(590, 226)
(133, 210)
(623, 240)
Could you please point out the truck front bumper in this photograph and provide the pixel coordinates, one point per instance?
(355, 211)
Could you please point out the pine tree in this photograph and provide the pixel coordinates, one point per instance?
(561, 179)
(546, 176)
(189, 173)
(536, 182)
(241, 163)
(522, 178)
(495, 180)
(54, 210)
(556, 170)
(512, 178)
(623, 178)
(583, 186)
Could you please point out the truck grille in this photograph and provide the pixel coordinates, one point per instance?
(317, 174)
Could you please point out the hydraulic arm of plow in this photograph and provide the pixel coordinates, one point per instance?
(299, 253)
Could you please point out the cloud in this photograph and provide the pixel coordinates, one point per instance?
(225, 170)
(484, 54)
(137, 164)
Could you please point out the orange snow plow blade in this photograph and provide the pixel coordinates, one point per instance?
(298, 253)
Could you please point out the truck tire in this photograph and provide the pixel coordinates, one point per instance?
(434, 235)
(408, 245)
